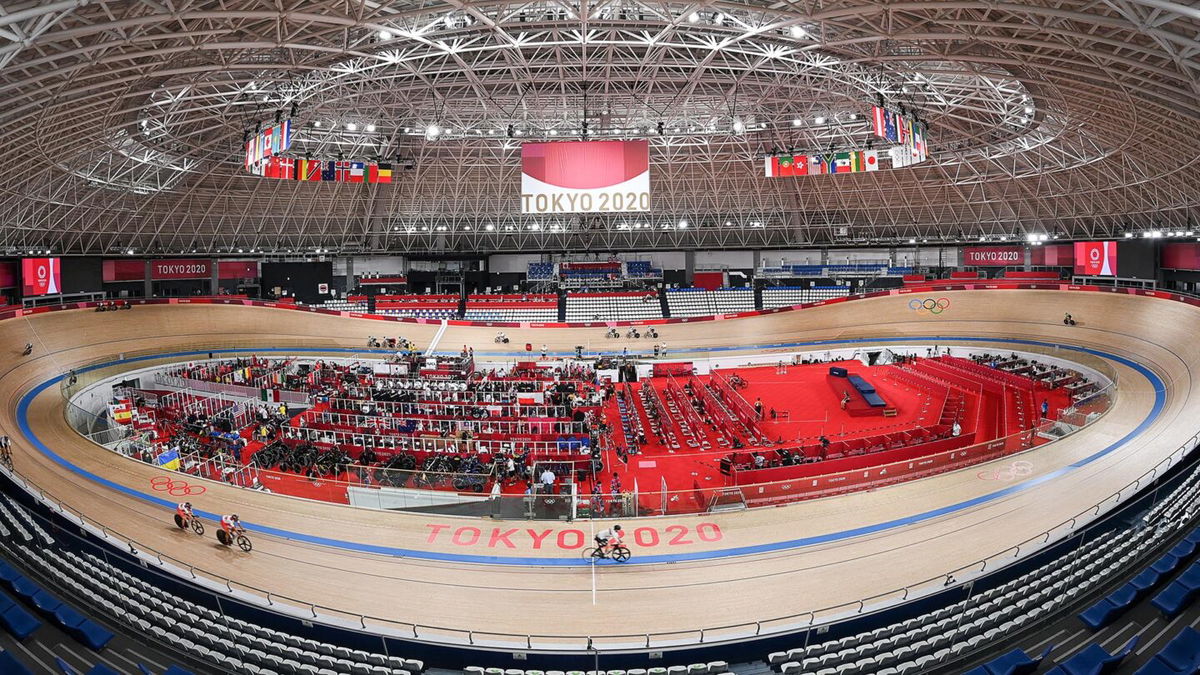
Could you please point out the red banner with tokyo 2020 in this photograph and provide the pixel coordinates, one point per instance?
(1096, 258)
(993, 256)
(585, 177)
(180, 269)
(41, 276)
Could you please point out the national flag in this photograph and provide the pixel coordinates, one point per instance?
(280, 167)
(342, 172)
(878, 125)
(121, 413)
(356, 172)
(843, 163)
(889, 126)
(329, 171)
(312, 170)
(786, 165)
(870, 160)
(287, 135)
(379, 173)
(919, 149)
(828, 162)
(268, 142)
(168, 460)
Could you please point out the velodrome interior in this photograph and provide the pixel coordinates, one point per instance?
(338, 337)
(473, 595)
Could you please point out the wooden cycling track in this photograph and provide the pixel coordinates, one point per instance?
(469, 591)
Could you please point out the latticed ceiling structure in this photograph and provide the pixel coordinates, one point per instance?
(122, 123)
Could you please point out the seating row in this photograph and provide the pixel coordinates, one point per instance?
(19, 623)
(613, 306)
(702, 302)
(956, 630)
(713, 668)
(787, 296)
(1108, 608)
(229, 644)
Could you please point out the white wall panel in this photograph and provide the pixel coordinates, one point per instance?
(719, 259)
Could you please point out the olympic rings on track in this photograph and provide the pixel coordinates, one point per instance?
(929, 305)
(176, 488)
(1018, 469)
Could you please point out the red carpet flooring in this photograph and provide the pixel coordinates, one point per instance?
(807, 408)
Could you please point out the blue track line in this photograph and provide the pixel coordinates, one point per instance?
(1155, 411)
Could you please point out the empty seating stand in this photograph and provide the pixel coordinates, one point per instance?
(228, 644)
(786, 296)
(683, 302)
(49, 605)
(540, 271)
(620, 306)
(351, 303)
(711, 668)
(512, 307)
(1170, 601)
(418, 306)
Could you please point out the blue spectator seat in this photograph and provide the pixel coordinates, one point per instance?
(1179, 593)
(16, 619)
(1094, 660)
(1016, 662)
(45, 602)
(1146, 580)
(9, 665)
(82, 628)
(1110, 607)
(1166, 564)
(1181, 655)
(8, 573)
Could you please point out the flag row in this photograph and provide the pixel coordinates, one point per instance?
(326, 171)
(855, 161)
(903, 129)
(273, 140)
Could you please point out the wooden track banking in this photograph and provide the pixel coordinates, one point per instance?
(631, 599)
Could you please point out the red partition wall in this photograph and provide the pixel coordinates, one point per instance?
(1018, 274)
(123, 269)
(1054, 255)
(708, 280)
(1181, 256)
(237, 269)
(8, 274)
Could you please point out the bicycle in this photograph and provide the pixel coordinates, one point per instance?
(619, 552)
(195, 524)
(242, 540)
